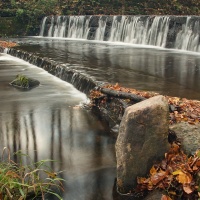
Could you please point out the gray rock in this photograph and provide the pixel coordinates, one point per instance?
(188, 135)
(24, 82)
(154, 195)
(142, 140)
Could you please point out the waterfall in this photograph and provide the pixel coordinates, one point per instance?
(101, 29)
(87, 28)
(42, 26)
(137, 30)
(50, 31)
(188, 36)
(157, 34)
(179, 32)
(78, 79)
(117, 29)
(62, 29)
(57, 27)
(76, 27)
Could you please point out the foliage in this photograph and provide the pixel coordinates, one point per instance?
(29, 13)
(23, 82)
(19, 181)
(178, 175)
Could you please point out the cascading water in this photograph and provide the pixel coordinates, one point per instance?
(157, 34)
(50, 31)
(42, 26)
(188, 37)
(101, 29)
(164, 31)
(76, 27)
(137, 30)
(117, 29)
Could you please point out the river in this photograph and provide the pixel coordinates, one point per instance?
(48, 122)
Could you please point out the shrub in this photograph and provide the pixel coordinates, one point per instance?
(19, 181)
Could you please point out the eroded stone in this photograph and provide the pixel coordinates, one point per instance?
(142, 140)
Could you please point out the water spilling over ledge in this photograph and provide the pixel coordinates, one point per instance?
(81, 81)
(179, 32)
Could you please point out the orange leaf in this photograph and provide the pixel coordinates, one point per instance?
(165, 197)
(197, 163)
(183, 177)
(153, 171)
(156, 178)
(187, 188)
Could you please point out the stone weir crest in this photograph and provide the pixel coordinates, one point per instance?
(178, 32)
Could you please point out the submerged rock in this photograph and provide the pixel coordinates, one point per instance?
(24, 82)
(142, 140)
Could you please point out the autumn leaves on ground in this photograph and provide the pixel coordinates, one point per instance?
(178, 175)
(181, 109)
(6, 44)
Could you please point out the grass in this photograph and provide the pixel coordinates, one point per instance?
(20, 182)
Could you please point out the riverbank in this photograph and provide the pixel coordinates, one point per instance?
(181, 109)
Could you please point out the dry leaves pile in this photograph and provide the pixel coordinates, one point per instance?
(184, 110)
(144, 94)
(6, 44)
(181, 109)
(177, 174)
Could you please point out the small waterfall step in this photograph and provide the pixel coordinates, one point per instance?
(81, 81)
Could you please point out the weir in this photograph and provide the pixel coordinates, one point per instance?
(79, 80)
(178, 32)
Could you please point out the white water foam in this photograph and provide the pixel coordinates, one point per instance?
(73, 91)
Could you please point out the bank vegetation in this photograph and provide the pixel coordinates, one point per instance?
(22, 17)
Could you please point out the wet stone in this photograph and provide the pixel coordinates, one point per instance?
(142, 140)
(188, 135)
(24, 82)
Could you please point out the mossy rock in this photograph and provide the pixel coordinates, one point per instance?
(24, 82)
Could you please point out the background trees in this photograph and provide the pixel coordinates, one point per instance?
(30, 12)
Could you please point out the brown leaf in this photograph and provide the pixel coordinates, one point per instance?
(12, 174)
(187, 188)
(165, 197)
(156, 178)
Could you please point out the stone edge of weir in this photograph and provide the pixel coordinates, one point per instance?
(143, 129)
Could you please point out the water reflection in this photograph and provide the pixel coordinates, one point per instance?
(45, 123)
(169, 72)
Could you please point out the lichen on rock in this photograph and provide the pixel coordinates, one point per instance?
(23, 82)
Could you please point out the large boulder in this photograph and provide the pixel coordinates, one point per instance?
(188, 135)
(142, 140)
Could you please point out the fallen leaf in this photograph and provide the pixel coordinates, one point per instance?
(182, 177)
(165, 197)
(156, 178)
(153, 170)
(187, 188)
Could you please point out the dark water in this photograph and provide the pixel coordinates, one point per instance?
(169, 72)
(46, 123)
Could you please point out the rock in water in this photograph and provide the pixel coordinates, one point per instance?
(142, 140)
(24, 82)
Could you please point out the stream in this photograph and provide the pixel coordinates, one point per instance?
(48, 122)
